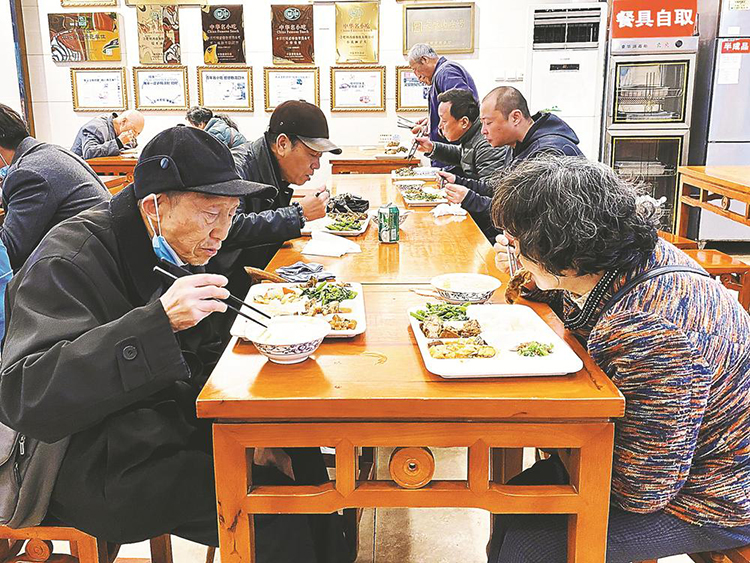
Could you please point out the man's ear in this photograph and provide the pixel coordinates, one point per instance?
(465, 121)
(283, 145)
(516, 117)
(149, 206)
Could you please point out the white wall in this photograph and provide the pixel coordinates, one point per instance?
(9, 93)
(501, 40)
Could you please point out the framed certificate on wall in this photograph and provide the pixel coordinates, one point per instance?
(225, 88)
(448, 28)
(358, 88)
(297, 83)
(99, 89)
(411, 94)
(85, 3)
(160, 88)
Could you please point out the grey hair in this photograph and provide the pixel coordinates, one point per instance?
(569, 213)
(420, 50)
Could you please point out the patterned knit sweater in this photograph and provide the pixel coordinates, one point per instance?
(678, 348)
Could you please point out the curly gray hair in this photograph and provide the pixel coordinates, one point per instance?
(569, 213)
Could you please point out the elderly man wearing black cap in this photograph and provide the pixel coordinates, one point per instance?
(105, 354)
(288, 153)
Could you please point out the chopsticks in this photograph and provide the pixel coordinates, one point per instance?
(414, 145)
(232, 298)
(512, 260)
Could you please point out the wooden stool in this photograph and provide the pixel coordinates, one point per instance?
(733, 273)
(680, 242)
(83, 547)
(736, 555)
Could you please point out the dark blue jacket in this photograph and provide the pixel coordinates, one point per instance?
(448, 74)
(548, 135)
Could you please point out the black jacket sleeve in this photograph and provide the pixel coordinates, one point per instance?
(93, 144)
(81, 366)
(476, 203)
(480, 186)
(444, 152)
(30, 207)
(253, 229)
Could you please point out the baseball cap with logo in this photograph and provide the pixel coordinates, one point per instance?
(304, 120)
(188, 159)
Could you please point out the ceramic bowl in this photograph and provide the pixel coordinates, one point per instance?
(465, 288)
(291, 339)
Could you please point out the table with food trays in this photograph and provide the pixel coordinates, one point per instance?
(374, 389)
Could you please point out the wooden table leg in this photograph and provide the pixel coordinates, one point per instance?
(233, 479)
(683, 210)
(591, 473)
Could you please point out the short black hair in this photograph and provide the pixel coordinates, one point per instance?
(198, 115)
(463, 103)
(508, 99)
(569, 213)
(12, 128)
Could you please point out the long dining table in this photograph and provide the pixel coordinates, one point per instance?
(373, 390)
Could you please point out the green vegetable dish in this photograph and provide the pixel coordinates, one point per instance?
(444, 311)
(534, 349)
(326, 292)
(346, 222)
(418, 194)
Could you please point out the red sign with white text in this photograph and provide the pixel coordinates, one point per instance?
(735, 46)
(649, 18)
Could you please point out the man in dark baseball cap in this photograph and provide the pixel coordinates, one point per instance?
(305, 121)
(106, 356)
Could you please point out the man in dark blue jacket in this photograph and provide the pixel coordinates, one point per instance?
(506, 121)
(440, 75)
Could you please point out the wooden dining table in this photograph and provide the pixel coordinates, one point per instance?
(118, 165)
(369, 160)
(373, 390)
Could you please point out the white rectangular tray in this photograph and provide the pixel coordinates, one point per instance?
(242, 325)
(503, 327)
(421, 172)
(422, 202)
(320, 225)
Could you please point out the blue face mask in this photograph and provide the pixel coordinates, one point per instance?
(4, 169)
(159, 243)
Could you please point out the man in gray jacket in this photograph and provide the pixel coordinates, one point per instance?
(43, 185)
(107, 135)
(459, 122)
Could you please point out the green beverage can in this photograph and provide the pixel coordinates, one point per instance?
(388, 223)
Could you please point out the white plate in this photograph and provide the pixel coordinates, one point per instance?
(407, 181)
(388, 156)
(242, 326)
(422, 202)
(503, 327)
(423, 172)
(320, 225)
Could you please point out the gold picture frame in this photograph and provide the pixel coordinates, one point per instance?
(443, 45)
(86, 96)
(401, 93)
(157, 89)
(295, 87)
(208, 97)
(366, 89)
(87, 3)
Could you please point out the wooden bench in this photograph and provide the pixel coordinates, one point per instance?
(680, 242)
(733, 273)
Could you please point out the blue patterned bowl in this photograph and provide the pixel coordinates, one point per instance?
(291, 339)
(465, 288)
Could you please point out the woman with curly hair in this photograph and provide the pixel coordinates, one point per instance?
(675, 342)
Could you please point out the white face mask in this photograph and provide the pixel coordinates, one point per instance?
(159, 243)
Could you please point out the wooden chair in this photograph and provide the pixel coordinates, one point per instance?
(116, 185)
(733, 273)
(84, 548)
(680, 242)
(736, 555)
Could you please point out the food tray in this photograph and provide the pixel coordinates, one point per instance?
(422, 172)
(241, 326)
(421, 202)
(503, 327)
(320, 225)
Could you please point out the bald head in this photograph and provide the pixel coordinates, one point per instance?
(130, 120)
(507, 99)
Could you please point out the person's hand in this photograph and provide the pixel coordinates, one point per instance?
(455, 193)
(424, 144)
(502, 242)
(314, 206)
(447, 176)
(127, 138)
(417, 129)
(191, 299)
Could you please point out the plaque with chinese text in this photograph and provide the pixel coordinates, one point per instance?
(292, 34)
(649, 18)
(298, 83)
(87, 3)
(223, 34)
(358, 88)
(76, 38)
(411, 94)
(99, 89)
(225, 88)
(160, 87)
(357, 33)
(158, 35)
(448, 28)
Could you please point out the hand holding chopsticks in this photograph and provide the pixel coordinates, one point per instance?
(190, 302)
(415, 144)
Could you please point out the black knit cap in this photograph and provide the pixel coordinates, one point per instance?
(188, 159)
(304, 120)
